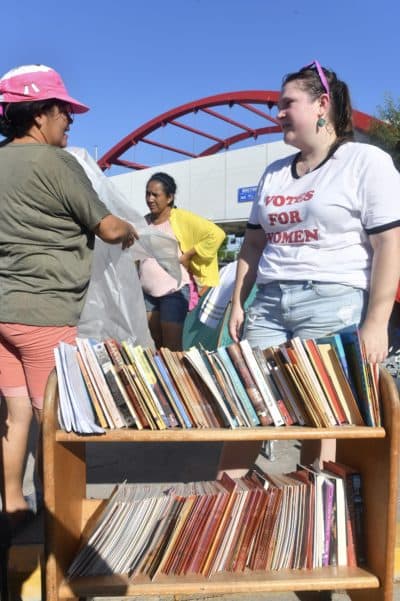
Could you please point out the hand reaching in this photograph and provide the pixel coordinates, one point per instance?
(375, 339)
(130, 237)
(236, 322)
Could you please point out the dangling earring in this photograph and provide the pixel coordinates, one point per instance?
(321, 122)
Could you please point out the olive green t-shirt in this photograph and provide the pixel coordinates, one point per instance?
(48, 210)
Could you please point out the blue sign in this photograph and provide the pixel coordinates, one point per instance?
(247, 194)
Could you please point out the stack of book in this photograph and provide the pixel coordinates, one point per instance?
(322, 383)
(309, 518)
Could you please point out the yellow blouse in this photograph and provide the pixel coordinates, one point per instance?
(193, 231)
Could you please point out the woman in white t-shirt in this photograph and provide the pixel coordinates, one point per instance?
(323, 239)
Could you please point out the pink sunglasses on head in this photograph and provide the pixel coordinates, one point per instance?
(320, 72)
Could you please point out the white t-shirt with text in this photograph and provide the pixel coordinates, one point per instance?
(317, 225)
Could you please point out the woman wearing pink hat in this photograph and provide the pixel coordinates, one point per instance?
(50, 216)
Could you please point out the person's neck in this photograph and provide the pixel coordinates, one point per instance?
(33, 136)
(161, 217)
(313, 156)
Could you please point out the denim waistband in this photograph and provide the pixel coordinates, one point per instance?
(295, 282)
(302, 284)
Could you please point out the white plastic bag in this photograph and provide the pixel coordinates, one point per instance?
(114, 306)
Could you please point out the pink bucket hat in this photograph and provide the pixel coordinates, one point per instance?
(36, 82)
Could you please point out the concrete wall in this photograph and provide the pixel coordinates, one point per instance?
(209, 186)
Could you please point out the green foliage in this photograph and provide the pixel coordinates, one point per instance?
(386, 133)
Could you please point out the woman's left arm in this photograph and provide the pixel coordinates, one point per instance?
(186, 257)
(206, 237)
(385, 275)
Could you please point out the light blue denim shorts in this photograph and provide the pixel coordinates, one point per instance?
(308, 309)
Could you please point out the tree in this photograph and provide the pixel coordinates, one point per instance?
(386, 133)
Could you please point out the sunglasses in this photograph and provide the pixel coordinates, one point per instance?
(320, 72)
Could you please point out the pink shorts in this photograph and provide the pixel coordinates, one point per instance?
(27, 358)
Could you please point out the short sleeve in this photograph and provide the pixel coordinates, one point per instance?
(77, 193)
(379, 191)
(254, 220)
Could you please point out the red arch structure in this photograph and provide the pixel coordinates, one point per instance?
(254, 102)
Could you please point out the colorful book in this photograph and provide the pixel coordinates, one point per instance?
(355, 510)
(285, 385)
(227, 390)
(101, 414)
(357, 363)
(205, 401)
(314, 385)
(144, 385)
(150, 381)
(163, 391)
(98, 378)
(286, 412)
(114, 383)
(325, 381)
(261, 383)
(328, 490)
(180, 377)
(193, 355)
(340, 383)
(239, 388)
(176, 400)
(336, 342)
(249, 384)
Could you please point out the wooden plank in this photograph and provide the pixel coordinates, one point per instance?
(64, 489)
(397, 553)
(213, 434)
(227, 583)
(378, 463)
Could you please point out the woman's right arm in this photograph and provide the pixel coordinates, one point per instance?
(249, 257)
(114, 230)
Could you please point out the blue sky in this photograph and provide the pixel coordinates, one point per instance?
(131, 60)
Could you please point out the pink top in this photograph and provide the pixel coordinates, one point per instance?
(153, 278)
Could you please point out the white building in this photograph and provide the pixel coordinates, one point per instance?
(219, 187)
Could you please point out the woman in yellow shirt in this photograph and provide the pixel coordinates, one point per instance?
(199, 239)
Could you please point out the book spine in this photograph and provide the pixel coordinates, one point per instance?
(115, 389)
(206, 400)
(146, 376)
(358, 518)
(178, 378)
(99, 380)
(357, 367)
(131, 398)
(187, 373)
(106, 365)
(250, 387)
(163, 405)
(160, 389)
(143, 399)
(114, 352)
(212, 512)
(324, 380)
(174, 393)
(200, 363)
(261, 383)
(219, 380)
(237, 383)
(96, 403)
(328, 489)
(285, 387)
(249, 528)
